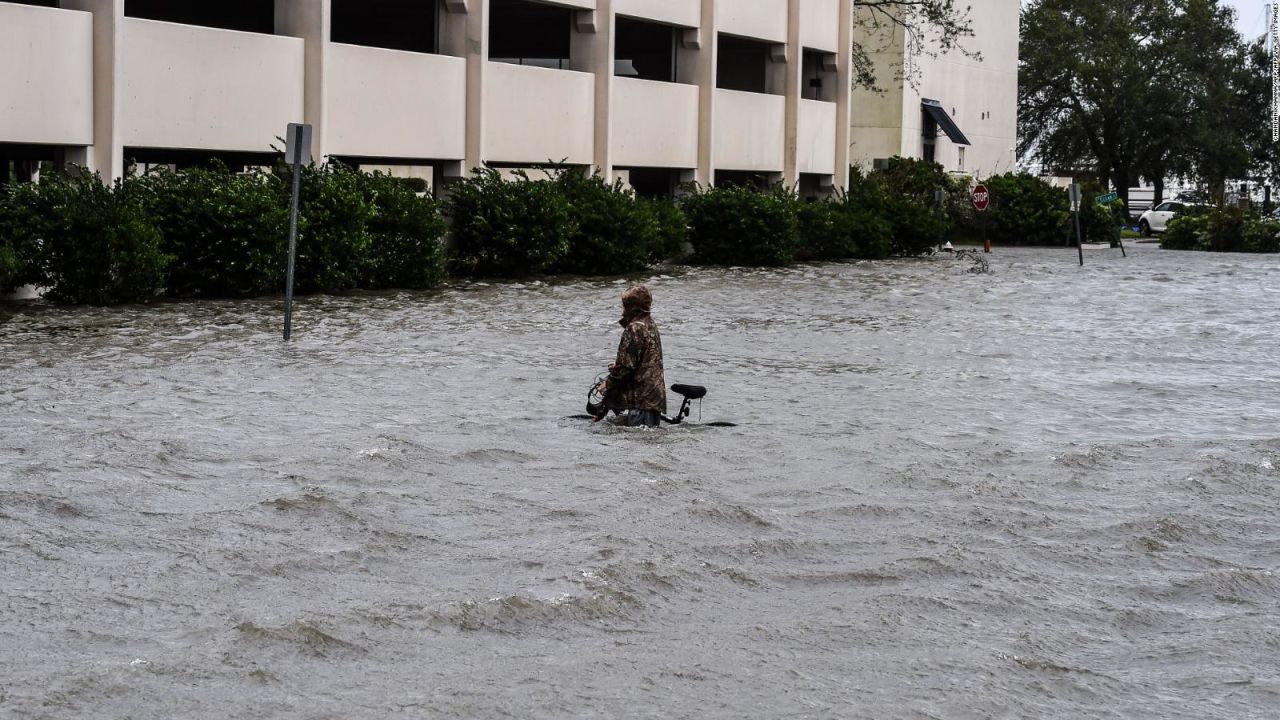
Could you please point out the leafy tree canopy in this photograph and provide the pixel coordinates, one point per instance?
(1130, 89)
(928, 27)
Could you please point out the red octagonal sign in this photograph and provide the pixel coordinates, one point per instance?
(981, 198)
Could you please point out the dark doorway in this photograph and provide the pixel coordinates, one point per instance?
(256, 16)
(818, 83)
(743, 65)
(529, 33)
(392, 24)
(654, 182)
(644, 50)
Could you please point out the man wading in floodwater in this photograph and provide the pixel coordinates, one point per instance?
(636, 389)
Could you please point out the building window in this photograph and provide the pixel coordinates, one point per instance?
(529, 33)
(743, 65)
(818, 81)
(392, 24)
(930, 152)
(644, 50)
(256, 16)
(654, 182)
(960, 162)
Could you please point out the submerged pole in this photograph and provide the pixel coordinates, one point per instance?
(297, 153)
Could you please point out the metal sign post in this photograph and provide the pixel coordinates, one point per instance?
(1075, 210)
(297, 153)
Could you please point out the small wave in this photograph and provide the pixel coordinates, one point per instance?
(310, 503)
(493, 456)
(1237, 586)
(1037, 664)
(737, 575)
(734, 514)
(300, 635)
(516, 613)
(843, 577)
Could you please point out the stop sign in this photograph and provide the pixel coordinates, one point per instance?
(981, 198)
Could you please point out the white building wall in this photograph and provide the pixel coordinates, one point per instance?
(98, 82)
(202, 88)
(980, 94)
(655, 124)
(536, 115)
(46, 75)
(374, 113)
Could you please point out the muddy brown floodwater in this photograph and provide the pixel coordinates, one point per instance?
(1044, 492)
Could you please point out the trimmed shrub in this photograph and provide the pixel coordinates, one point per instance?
(1026, 210)
(15, 257)
(333, 227)
(1261, 236)
(89, 242)
(842, 229)
(614, 234)
(406, 234)
(225, 232)
(1225, 229)
(10, 268)
(671, 242)
(1183, 233)
(507, 228)
(903, 194)
(740, 226)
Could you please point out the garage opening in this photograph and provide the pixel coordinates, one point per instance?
(256, 16)
(409, 25)
(530, 33)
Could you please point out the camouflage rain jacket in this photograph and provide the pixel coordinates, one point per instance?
(636, 381)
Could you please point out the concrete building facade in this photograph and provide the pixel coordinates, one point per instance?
(926, 100)
(653, 91)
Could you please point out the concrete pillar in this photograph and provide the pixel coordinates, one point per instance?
(106, 155)
(593, 52)
(793, 87)
(844, 95)
(312, 21)
(466, 34)
(706, 76)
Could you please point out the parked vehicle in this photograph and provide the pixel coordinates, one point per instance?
(1157, 218)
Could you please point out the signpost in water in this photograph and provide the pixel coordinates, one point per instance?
(297, 153)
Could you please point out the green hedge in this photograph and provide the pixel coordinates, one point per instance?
(225, 232)
(672, 239)
(740, 226)
(843, 229)
(1026, 210)
(213, 233)
(1228, 229)
(570, 223)
(85, 241)
(614, 234)
(507, 228)
(406, 235)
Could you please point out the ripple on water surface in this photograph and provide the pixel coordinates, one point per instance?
(1045, 491)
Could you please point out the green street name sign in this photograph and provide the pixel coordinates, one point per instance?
(1107, 199)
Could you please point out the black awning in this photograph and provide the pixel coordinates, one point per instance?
(940, 116)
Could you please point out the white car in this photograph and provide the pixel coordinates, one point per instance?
(1157, 218)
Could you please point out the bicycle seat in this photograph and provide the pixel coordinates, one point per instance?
(690, 392)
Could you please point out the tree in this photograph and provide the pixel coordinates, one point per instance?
(1130, 89)
(929, 27)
